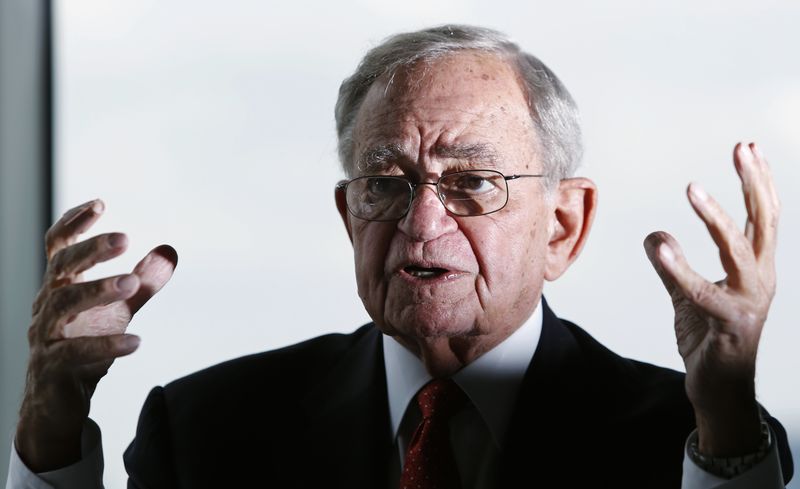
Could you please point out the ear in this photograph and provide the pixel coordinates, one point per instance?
(575, 205)
(341, 205)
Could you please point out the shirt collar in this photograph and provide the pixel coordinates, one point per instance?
(491, 381)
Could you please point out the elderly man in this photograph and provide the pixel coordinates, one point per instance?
(460, 203)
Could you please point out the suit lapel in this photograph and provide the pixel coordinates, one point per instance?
(552, 393)
(347, 439)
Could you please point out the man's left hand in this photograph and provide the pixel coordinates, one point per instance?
(718, 325)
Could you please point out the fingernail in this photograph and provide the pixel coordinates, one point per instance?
(117, 240)
(98, 206)
(698, 192)
(746, 150)
(128, 283)
(130, 342)
(666, 254)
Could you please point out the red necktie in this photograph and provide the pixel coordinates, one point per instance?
(429, 462)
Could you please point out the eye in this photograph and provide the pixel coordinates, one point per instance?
(471, 183)
(379, 186)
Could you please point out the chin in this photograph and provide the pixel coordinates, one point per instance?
(431, 321)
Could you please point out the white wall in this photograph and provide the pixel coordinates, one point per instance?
(209, 126)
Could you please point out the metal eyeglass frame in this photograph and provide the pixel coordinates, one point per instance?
(413, 187)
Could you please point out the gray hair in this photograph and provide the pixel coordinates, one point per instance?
(554, 112)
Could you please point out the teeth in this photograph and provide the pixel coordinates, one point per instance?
(423, 273)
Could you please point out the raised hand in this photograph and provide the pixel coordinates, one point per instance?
(76, 332)
(718, 325)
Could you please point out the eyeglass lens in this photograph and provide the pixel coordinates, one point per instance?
(467, 193)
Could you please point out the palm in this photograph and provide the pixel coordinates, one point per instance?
(100, 321)
(111, 319)
(692, 330)
(698, 335)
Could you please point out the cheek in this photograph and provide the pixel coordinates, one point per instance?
(511, 256)
(371, 242)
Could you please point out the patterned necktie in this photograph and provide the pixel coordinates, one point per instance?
(429, 462)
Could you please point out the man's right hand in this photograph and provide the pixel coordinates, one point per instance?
(76, 332)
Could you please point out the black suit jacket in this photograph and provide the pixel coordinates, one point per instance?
(315, 415)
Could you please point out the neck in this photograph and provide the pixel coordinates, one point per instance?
(443, 356)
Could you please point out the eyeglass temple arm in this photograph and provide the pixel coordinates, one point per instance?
(514, 177)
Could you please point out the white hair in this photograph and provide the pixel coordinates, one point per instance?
(554, 112)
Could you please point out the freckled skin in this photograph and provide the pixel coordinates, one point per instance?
(462, 99)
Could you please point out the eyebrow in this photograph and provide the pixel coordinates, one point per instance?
(477, 152)
(379, 158)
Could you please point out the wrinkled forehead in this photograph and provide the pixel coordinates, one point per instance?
(465, 105)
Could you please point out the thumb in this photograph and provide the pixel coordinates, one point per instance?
(154, 272)
(660, 248)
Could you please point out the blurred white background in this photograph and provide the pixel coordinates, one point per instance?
(209, 126)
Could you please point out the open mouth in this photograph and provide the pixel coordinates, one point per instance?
(422, 272)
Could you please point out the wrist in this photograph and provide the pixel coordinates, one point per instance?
(732, 432)
(43, 448)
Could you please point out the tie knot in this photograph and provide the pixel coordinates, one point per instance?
(440, 398)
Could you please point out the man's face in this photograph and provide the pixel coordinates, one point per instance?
(466, 111)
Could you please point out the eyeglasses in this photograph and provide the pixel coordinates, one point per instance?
(463, 193)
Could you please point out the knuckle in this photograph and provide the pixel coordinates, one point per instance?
(702, 293)
(106, 287)
(50, 237)
(744, 314)
(58, 263)
(767, 291)
(37, 302)
(772, 219)
(37, 363)
(741, 250)
(63, 300)
(33, 335)
(68, 259)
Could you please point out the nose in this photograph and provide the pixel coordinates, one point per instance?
(427, 219)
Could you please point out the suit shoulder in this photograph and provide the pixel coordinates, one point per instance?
(637, 384)
(274, 370)
(598, 353)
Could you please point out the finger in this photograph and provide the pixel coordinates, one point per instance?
(67, 263)
(760, 199)
(651, 245)
(768, 172)
(64, 303)
(735, 250)
(87, 350)
(154, 271)
(680, 280)
(78, 258)
(75, 221)
(749, 231)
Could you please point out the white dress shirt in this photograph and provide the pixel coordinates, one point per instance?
(491, 382)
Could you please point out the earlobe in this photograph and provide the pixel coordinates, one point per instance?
(341, 206)
(573, 214)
